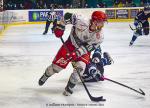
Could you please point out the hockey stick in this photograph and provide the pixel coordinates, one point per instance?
(96, 99)
(134, 29)
(140, 90)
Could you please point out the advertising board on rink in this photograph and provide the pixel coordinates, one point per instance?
(133, 13)
(111, 13)
(122, 13)
(35, 16)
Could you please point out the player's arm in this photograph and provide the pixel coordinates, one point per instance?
(138, 21)
(68, 18)
(84, 49)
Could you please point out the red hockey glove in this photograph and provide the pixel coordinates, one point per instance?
(77, 53)
(59, 30)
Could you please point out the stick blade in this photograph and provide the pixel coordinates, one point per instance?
(97, 99)
(142, 92)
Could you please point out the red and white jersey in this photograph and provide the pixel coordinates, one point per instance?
(81, 34)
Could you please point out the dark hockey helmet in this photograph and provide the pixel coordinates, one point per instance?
(67, 16)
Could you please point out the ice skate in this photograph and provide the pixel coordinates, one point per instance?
(67, 91)
(43, 79)
(44, 33)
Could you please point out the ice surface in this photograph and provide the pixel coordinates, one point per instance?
(25, 53)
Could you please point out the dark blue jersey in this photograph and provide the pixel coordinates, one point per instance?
(91, 73)
(142, 17)
(95, 69)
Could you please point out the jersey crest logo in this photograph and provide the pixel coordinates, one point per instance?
(62, 61)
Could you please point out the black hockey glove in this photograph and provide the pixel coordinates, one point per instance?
(95, 73)
(108, 58)
(138, 24)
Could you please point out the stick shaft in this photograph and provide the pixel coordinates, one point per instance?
(141, 92)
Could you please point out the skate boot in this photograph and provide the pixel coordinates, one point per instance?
(43, 79)
(67, 92)
(44, 33)
(68, 89)
(52, 30)
(131, 43)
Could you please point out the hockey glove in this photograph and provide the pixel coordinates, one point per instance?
(108, 58)
(77, 53)
(135, 23)
(59, 30)
(95, 73)
(138, 25)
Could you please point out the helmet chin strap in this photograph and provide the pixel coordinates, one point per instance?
(94, 28)
(98, 27)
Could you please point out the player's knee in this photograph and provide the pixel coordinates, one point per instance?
(138, 32)
(52, 69)
(80, 68)
(74, 78)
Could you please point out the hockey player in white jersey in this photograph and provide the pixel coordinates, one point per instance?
(85, 36)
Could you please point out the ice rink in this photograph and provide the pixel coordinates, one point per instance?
(25, 53)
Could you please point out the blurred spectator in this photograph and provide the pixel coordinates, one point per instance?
(102, 5)
(86, 5)
(45, 4)
(145, 2)
(116, 3)
(124, 3)
(40, 4)
(108, 3)
(27, 4)
(130, 3)
(91, 3)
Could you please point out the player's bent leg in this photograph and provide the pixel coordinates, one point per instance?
(46, 27)
(135, 35)
(146, 31)
(146, 28)
(50, 70)
(132, 40)
(74, 78)
(54, 25)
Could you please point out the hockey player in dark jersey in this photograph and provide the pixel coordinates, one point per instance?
(95, 69)
(52, 17)
(141, 23)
